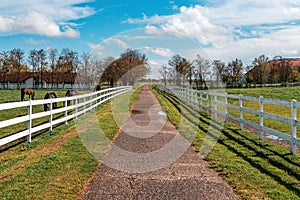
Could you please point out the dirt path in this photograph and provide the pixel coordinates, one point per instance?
(150, 160)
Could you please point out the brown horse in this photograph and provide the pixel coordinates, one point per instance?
(50, 95)
(97, 88)
(28, 91)
(71, 93)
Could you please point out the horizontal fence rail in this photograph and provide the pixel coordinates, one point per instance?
(81, 105)
(219, 103)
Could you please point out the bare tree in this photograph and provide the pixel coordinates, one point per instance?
(201, 71)
(69, 60)
(220, 72)
(237, 70)
(182, 68)
(164, 73)
(174, 62)
(16, 57)
(52, 57)
(33, 61)
(42, 65)
(4, 63)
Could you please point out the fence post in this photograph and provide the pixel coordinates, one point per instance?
(76, 108)
(50, 116)
(29, 123)
(84, 107)
(207, 103)
(196, 97)
(225, 109)
(215, 105)
(91, 104)
(241, 111)
(191, 96)
(261, 118)
(66, 111)
(294, 127)
(200, 102)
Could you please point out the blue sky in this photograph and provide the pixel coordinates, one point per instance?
(215, 29)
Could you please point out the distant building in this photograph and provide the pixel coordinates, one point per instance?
(281, 70)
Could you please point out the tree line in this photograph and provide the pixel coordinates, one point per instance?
(89, 68)
(204, 73)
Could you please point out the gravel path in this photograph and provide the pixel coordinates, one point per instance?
(150, 160)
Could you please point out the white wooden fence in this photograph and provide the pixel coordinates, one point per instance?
(82, 104)
(210, 101)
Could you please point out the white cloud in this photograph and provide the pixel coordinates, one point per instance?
(155, 66)
(32, 41)
(159, 51)
(40, 17)
(234, 28)
(109, 47)
(96, 48)
(117, 41)
(190, 22)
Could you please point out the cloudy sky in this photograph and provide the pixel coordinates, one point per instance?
(224, 30)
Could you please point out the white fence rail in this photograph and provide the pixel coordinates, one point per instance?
(210, 101)
(82, 104)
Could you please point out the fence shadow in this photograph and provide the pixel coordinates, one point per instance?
(241, 142)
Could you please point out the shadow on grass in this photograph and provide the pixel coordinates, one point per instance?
(242, 144)
(34, 135)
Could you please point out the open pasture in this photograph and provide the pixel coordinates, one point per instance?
(280, 93)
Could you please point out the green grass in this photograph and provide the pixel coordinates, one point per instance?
(55, 165)
(286, 94)
(59, 175)
(7, 96)
(255, 169)
(281, 93)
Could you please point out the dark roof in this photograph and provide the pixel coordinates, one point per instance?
(295, 62)
(47, 76)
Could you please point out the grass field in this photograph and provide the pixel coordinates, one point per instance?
(282, 93)
(56, 165)
(7, 96)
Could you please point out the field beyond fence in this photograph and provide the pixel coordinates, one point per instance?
(271, 117)
(22, 119)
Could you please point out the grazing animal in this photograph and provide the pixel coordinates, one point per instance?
(71, 93)
(50, 95)
(28, 91)
(98, 87)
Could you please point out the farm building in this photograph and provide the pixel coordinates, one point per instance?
(283, 70)
(17, 80)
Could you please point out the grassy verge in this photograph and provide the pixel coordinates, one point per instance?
(255, 169)
(55, 165)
